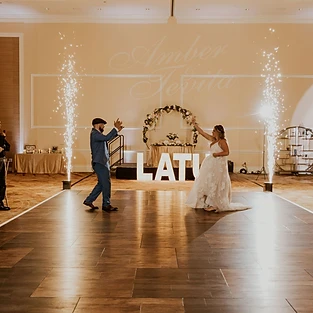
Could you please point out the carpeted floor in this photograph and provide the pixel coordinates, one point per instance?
(26, 191)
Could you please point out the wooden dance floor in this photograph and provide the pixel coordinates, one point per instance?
(155, 255)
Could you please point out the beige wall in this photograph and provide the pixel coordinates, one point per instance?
(9, 91)
(129, 70)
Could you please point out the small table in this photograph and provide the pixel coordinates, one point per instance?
(157, 150)
(39, 163)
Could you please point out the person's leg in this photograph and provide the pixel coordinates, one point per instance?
(106, 191)
(2, 187)
(98, 188)
(106, 183)
(2, 182)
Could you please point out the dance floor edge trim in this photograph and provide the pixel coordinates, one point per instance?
(33, 207)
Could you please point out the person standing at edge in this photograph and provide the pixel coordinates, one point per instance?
(100, 163)
(4, 146)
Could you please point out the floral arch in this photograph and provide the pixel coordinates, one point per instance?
(152, 119)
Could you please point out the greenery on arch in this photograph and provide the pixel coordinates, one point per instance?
(152, 119)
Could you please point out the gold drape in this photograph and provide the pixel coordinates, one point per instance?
(44, 163)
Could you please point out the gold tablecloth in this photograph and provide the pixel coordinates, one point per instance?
(156, 151)
(40, 163)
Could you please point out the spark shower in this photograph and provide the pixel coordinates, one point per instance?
(67, 98)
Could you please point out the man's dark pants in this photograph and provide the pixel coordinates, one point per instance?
(103, 185)
(2, 180)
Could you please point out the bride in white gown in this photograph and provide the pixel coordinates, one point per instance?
(211, 190)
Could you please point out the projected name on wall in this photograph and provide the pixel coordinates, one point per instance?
(170, 64)
(165, 166)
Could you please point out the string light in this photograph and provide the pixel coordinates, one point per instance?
(272, 105)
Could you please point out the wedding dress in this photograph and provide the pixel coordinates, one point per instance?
(212, 188)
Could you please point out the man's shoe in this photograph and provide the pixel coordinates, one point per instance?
(109, 208)
(90, 205)
(4, 208)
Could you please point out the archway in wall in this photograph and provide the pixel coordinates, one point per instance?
(303, 114)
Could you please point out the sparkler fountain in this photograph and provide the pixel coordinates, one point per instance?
(271, 105)
(68, 88)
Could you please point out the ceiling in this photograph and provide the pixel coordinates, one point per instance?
(157, 11)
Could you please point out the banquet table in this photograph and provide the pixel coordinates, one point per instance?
(39, 163)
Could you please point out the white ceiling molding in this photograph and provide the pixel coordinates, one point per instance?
(244, 20)
(156, 11)
(84, 19)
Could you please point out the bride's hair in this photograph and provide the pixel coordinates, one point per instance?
(220, 130)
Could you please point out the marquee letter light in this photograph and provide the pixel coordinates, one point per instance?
(182, 158)
(195, 165)
(140, 174)
(169, 172)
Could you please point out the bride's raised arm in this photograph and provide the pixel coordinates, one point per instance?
(201, 131)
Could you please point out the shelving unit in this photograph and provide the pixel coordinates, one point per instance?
(295, 145)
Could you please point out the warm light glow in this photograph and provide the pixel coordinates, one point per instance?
(265, 235)
(271, 105)
(68, 88)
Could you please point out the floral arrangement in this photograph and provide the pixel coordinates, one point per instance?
(176, 144)
(172, 136)
(152, 119)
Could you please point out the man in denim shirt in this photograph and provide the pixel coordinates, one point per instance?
(100, 163)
